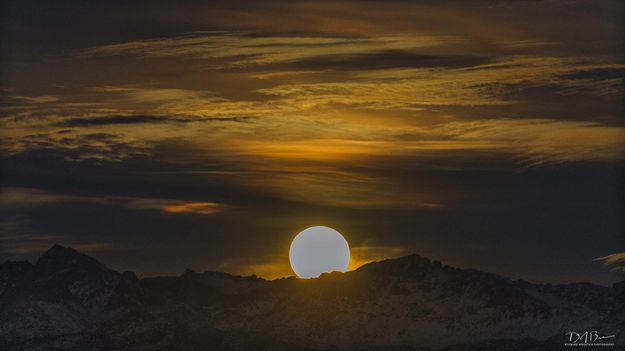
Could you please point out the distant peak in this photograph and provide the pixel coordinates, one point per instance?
(415, 256)
(58, 248)
(189, 273)
(59, 257)
(402, 259)
(408, 264)
(417, 259)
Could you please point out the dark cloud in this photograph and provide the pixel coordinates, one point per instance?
(138, 119)
(143, 119)
(597, 74)
(87, 147)
(108, 120)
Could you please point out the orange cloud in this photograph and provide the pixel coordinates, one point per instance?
(175, 206)
(613, 259)
(193, 207)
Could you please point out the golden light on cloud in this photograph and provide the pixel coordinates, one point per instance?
(243, 50)
(193, 207)
(616, 259)
(176, 206)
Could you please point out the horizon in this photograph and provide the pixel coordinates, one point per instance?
(294, 276)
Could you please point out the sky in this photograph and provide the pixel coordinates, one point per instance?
(157, 136)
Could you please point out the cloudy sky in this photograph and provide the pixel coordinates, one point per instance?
(159, 136)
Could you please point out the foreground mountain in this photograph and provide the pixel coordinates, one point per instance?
(70, 301)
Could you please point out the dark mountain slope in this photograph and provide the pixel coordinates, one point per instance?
(68, 300)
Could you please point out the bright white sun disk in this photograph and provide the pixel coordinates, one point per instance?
(318, 250)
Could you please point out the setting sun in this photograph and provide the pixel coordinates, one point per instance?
(318, 250)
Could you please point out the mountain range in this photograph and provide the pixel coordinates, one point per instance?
(70, 301)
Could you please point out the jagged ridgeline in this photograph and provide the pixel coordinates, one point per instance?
(70, 301)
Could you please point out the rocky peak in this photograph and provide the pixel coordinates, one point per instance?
(59, 258)
(407, 266)
(63, 273)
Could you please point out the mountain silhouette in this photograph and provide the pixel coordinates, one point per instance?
(70, 301)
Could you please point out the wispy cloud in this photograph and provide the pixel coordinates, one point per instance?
(383, 106)
(309, 117)
(34, 100)
(177, 206)
(613, 259)
(421, 89)
(538, 141)
(12, 197)
(241, 49)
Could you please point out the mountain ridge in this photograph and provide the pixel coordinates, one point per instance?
(67, 298)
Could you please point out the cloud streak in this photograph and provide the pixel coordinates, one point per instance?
(13, 197)
(242, 49)
(613, 259)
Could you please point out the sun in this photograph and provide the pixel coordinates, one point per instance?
(317, 250)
